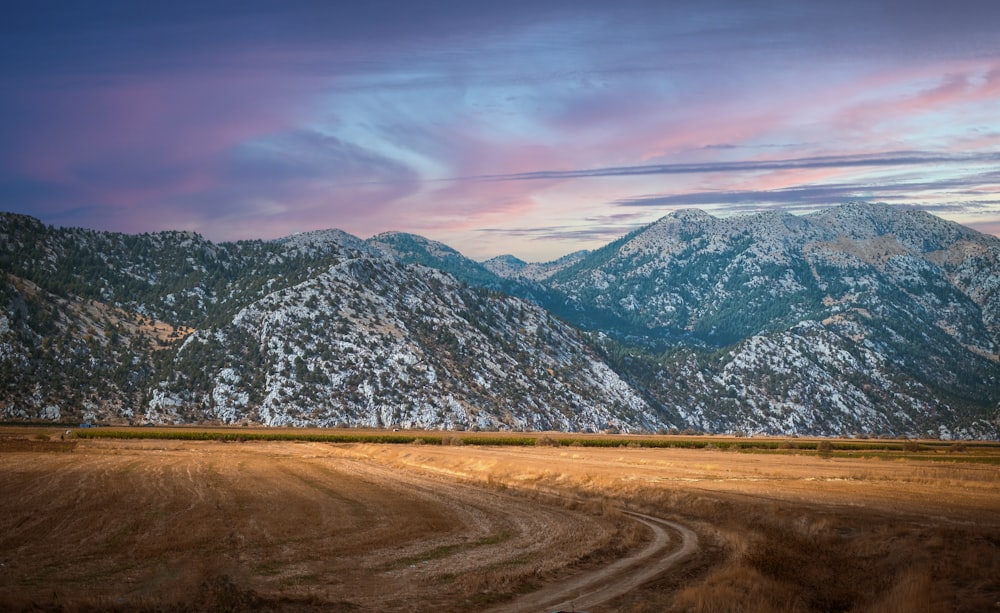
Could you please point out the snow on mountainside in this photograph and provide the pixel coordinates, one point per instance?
(412, 249)
(720, 280)
(911, 298)
(319, 243)
(506, 266)
(316, 328)
(863, 318)
(376, 343)
(510, 267)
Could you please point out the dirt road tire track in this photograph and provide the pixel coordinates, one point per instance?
(618, 578)
(529, 529)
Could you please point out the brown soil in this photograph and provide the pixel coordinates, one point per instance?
(672, 543)
(165, 525)
(282, 525)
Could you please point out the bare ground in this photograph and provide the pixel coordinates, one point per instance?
(140, 524)
(672, 543)
(170, 525)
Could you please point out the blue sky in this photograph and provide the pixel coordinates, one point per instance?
(532, 128)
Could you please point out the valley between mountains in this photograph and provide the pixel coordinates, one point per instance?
(858, 320)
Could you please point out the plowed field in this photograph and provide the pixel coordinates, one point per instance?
(204, 525)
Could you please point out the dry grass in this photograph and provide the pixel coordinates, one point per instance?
(796, 533)
(185, 525)
(209, 525)
(735, 589)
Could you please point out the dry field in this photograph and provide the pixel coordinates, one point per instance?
(204, 525)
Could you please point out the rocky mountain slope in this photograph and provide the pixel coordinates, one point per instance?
(315, 329)
(861, 319)
(372, 342)
(721, 280)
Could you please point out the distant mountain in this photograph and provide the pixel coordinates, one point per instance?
(718, 281)
(413, 249)
(862, 319)
(510, 267)
(86, 316)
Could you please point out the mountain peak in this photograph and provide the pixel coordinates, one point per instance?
(317, 242)
(913, 228)
(396, 243)
(505, 261)
(695, 215)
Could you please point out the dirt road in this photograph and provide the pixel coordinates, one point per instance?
(619, 577)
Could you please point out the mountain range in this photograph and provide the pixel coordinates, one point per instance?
(863, 319)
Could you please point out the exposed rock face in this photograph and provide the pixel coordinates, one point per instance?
(857, 319)
(861, 318)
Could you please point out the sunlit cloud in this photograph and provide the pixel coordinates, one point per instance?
(823, 194)
(902, 158)
(525, 127)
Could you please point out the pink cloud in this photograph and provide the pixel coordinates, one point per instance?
(132, 140)
(459, 200)
(958, 87)
(784, 178)
(830, 116)
(469, 204)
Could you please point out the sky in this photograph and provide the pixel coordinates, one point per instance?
(533, 128)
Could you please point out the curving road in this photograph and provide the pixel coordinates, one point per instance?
(672, 542)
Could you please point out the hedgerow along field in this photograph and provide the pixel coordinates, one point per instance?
(939, 450)
(236, 519)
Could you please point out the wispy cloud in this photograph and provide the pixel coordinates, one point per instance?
(809, 196)
(565, 233)
(492, 127)
(895, 158)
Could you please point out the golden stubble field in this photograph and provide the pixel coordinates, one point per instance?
(206, 525)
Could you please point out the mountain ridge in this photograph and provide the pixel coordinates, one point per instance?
(859, 319)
